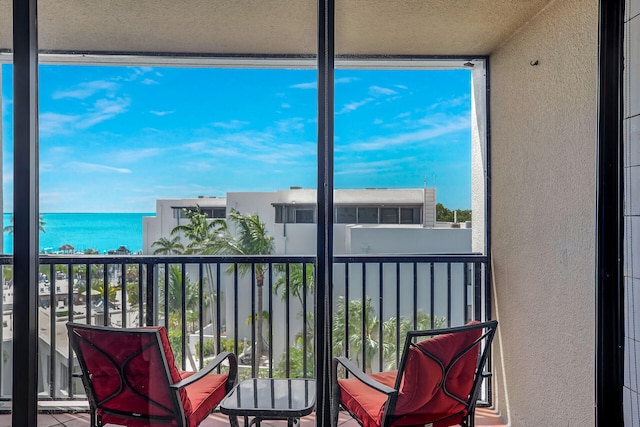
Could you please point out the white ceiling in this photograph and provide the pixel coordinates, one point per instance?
(278, 27)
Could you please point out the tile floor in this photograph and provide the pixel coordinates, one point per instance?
(484, 418)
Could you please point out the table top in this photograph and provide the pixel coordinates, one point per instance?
(271, 397)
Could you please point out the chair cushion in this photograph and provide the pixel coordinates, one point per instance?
(421, 399)
(144, 375)
(459, 381)
(173, 370)
(364, 402)
(204, 395)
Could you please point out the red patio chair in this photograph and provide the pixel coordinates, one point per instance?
(437, 383)
(131, 379)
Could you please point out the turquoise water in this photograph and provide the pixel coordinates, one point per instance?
(99, 231)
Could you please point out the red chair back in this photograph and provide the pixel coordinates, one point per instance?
(437, 376)
(129, 373)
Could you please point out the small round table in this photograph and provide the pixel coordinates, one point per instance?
(270, 399)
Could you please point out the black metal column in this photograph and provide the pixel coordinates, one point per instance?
(324, 284)
(25, 209)
(609, 219)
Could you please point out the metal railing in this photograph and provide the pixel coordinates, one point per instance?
(210, 304)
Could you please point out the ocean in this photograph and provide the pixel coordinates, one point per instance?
(100, 231)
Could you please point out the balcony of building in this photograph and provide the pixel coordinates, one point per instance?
(547, 119)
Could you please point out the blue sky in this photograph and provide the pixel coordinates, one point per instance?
(115, 139)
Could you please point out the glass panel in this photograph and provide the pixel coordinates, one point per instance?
(346, 215)
(6, 201)
(389, 215)
(367, 215)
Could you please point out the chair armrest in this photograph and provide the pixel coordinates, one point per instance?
(233, 371)
(360, 375)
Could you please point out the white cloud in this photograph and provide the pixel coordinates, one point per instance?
(135, 155)
(380, 91)
(149, 82)
(347, 108)
(54, 123)
(85, 90)
(94, 167)
(356, 168)
(161, 113)
(285, 105)
(345, 80)
(436, 128)
(233, 124)
(309, 85)
(104, 109)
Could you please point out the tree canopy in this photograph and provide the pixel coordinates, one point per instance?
(444, 214)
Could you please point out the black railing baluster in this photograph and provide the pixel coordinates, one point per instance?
(397, 314)
(304, 321)
(123, 293)
(141, 296)
(478, 290)
(287, 320)
(380, 316)
(87, 292)
(465, 287)
(167, 309)
(448, 295)
(255, 362)
(152, 301)
(415, 295)
(217, 314)
(270, 320)
(105, 295)
(201, 314)
(432, 290)
(53, 304)
(183, 314)
(236, 297)
(364, 314)
(70, 297)
(346, 309)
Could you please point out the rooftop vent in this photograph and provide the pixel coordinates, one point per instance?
(295, 187)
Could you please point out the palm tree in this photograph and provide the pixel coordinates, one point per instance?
(389, 329)
(201, 233)
(353, 334)
(167, 246)
(297, 280)
(9, 228)
(251, 238)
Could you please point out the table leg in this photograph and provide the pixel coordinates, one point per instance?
(233, 421)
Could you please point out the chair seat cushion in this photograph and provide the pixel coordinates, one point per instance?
(364, 402)
(204, 395)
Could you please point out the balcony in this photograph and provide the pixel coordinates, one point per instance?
(556, 94)
(206, 303)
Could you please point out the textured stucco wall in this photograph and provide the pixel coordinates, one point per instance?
(543, 141)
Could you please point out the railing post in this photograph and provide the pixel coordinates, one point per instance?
(152, 301)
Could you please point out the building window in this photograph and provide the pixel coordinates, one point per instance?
(295, 214)
(389, 215)
(367, 215)
(410, 216)
(304, 216)
(345, 216)
(213, 213)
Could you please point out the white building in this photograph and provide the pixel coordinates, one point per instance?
(368, 221)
